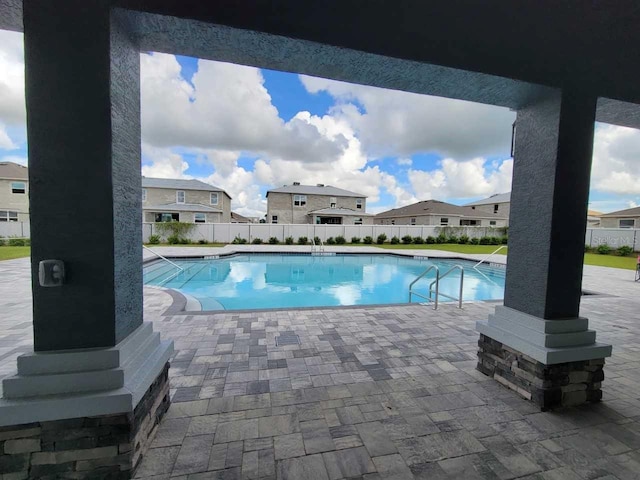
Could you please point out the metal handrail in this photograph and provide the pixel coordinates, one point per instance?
(320, 247)
(459, 299)
(164, 258)
(490, 255)
(419, 277)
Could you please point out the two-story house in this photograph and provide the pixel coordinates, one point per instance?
(14, 192)
(317, 204)
(499, 204)
(435, 212)
(193, 201)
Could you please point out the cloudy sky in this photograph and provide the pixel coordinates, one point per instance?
(247, 130)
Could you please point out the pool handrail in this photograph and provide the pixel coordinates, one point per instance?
(490, 255)
(163, 258)
(313, 246)
(419, 277)
(459, 299)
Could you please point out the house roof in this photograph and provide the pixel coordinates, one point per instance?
(181, 207)
(493, 199)
(239, 218)
(629, 212)
(340, 212)
(179, 184)
(594, 213)
(436, 207)
(13, 171)
(319, 189)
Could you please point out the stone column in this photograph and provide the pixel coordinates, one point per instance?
(95, 364)
(537, 343)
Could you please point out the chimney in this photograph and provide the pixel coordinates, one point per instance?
(296, 183)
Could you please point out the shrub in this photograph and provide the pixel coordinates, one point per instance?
(604, 249)
(355, 239)
(441, 238)
(175, 229)
(463, 240)
(418, 240)
(485, 241)
(317, 240)
(184, 241)
(256, 241)
(330, 241)
(303, 240)
(288, 240)
(274, 241)
(494, 240)
(202, 241)
(395, 240)
(340, 240)
(16, 242)
(173, 239)
(452, 239)
(381, 239)
(154, 239)
(430, 240)
(504, 240)
(368, 240)
(624, 250)
(2, 241)
(239, 241)
(475, 241)
(407, 239)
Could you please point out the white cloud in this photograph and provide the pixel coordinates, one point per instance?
(616, 160)
(404, 161)
(12, 106)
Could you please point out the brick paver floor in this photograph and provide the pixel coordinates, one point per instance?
(389, 392)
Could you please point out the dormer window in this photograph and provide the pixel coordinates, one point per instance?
(213, 198)
(180, 196)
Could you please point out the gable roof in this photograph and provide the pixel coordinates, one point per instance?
(179, 184)
(435, 207)
(13, 171)
(239, 218)
(629, 212)
(315, 190)
(493, 199)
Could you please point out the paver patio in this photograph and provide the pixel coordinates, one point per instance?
(382, 392)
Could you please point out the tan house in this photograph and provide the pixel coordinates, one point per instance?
(498, 204)
(317, 204)
(629, 218)
(435, 212)
(193, 201)
(593, 218)
(14, 192)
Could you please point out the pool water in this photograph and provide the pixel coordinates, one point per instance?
(263, 281)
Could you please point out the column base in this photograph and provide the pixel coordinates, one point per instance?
(548, 386)
(103, 446)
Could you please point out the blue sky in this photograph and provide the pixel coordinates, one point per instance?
(248, 130)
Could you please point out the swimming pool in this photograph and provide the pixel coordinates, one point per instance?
(265, 281)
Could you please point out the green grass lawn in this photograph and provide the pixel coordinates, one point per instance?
(7, 253)
(612, 261)
(152, 245)
(477, 249)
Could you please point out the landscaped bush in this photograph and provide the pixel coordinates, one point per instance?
(395, 240)
(2, 242)
(452, 239)
(274, 241)
(179, 230)
(256, 241)
(173, 239)
(184, 241)
(495, 240)
(239, 241)
(485, 241)
(504, 240)
(368, 240)
(463, 240)
(202, 241)
(381, 239)
(317, 240)
(340, 240)
(441, 238)
(475, 241)
(604, 249)
(418, 240)
(330, 241)
(355, 239)
(154, 239)
(624, 250)
(288, 240)
(430, 240)
(407, 239)
(303, 240)
(16, 242)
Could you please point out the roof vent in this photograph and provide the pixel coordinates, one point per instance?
(320, 185)
(296, 183)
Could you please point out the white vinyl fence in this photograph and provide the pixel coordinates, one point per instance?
(226, 232)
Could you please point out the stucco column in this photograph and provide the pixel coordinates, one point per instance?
(539, 324)
(93, 355)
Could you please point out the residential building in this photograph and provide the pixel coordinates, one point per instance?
(237, 218)
(317, 204)
(629, 218)
(593, 218)
(498, 204)
(435, 212)
(14, 192)
(168, 199)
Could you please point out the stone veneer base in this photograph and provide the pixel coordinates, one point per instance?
(108, 446)
(548, 386)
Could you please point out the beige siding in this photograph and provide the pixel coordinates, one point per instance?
(15, 202)
(281, 204)
(435, 221)
(503, 208)
(163, 196)
(614, 222)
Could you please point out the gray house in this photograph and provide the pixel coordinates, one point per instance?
(499, 203)
(318, 204)
(435, 212)
(628, 218)
(14, 192)
(193, 201)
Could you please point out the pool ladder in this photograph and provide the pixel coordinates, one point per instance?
(317, 249)
(434, 287)
(170, 277)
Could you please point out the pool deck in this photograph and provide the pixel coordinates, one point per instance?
(378, 392)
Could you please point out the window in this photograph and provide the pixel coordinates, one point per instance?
(393, 222)
(180, 196)
(144, 194)
(6, 216)
(495, 208)
(626, 223)
(299, 200)
(469, 222)
(492, 222)
(444, 221)
(358, 221)
(274, 218)
(167, 217)
(333, 202)
(199, 218)
(213, 199)
(413, 221)
(18, 187)
(359, 203)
